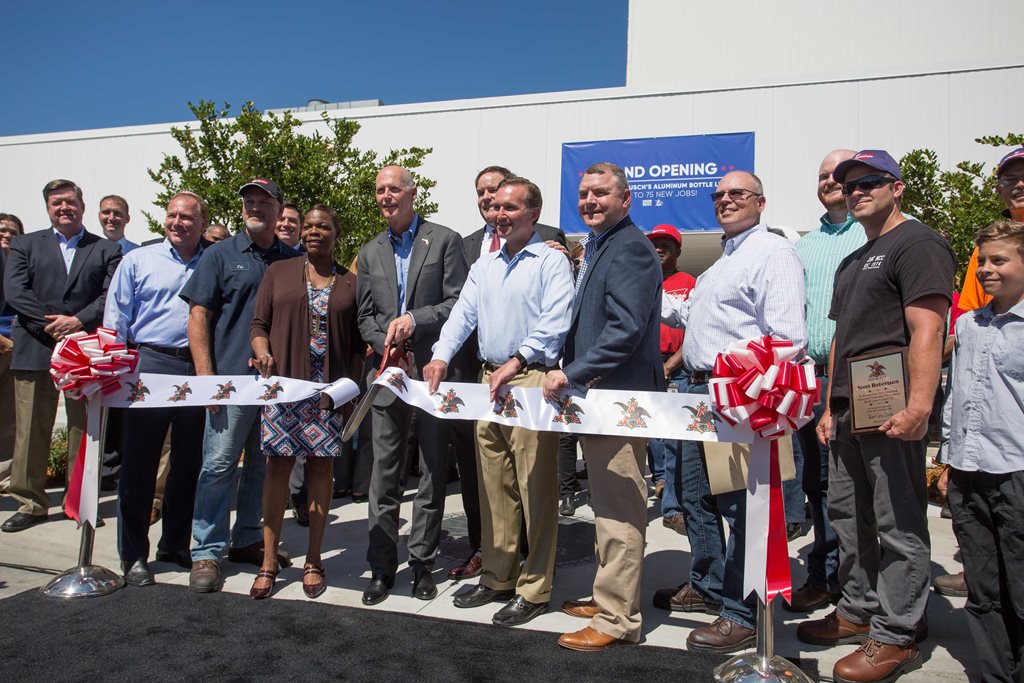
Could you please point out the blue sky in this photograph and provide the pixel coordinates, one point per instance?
(75, 65)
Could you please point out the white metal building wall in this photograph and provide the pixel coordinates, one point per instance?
(795, 125)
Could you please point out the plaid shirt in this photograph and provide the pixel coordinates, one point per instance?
(590, 244)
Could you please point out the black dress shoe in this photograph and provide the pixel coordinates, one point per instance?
(481, 595)
(301, 516)
(20, 521)
(139, 575)
(567, 506)
(423, 587)
(518, 611)
(182, 558)
(253, 554)
(378, 589)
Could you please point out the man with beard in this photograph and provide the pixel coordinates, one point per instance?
(222, 294)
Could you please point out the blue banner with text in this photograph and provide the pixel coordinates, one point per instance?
(671, 179)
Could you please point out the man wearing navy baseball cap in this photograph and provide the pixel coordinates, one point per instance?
(890, 295)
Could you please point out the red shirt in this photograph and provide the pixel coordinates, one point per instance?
(679, 285)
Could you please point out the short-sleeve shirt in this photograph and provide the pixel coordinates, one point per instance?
(874, 284)
(225, 281)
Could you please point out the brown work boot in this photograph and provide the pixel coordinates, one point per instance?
(676, 523)
(684, 599)
(205, 576)
(874, 662)
(953, 585)
(833, 629)
(721, 635)
(809, 598)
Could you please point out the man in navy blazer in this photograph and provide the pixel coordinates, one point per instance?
(612, 344)
(56, 280)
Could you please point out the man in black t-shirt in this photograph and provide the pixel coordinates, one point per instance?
(891, 293)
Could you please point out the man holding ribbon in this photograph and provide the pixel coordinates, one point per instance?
(56, 281)
(755, 289)
(144, 309)
(519, 299)
(222, 296)
(893, 293)
(612, 344)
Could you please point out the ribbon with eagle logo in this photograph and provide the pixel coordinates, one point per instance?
(103, 372)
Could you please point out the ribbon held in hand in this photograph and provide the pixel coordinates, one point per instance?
(85, 367)
(759, 382)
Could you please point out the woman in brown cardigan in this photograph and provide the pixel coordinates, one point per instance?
(304, 327)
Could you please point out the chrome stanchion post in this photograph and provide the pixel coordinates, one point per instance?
(762, 665)
(86, 580)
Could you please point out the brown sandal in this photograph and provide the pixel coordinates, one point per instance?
(313, 590)
(262, 593)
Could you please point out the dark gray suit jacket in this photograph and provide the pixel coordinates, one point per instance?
(616, 321)
(437, 271)
(471, 243)
(36, 285)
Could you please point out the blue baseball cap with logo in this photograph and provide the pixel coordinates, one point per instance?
(1012, 156)
(878, 159)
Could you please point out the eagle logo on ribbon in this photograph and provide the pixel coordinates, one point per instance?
(632, 415)
(272, 391)
(398, 382)
(703, 419)
(137, 392)
(509, 405)
(569, 412)
(181, 391)
(450, 402)
(224, 391)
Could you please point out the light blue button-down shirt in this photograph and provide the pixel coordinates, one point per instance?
(756, 288)
(68, 247)
(402, 244)
(523, 304)
(987, 410)
(143, 305)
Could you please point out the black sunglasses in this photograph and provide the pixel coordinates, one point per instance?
(866, 184)
(734, 194)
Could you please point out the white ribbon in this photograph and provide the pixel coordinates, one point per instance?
(148, 390)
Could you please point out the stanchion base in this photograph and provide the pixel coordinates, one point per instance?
(747, 668)
(83, 582)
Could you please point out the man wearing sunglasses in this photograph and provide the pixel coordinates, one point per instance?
(894, 292)
(756, 288)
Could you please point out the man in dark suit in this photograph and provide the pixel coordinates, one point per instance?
(612, 344)
(482, 241)
(409, 278)
(56, 280)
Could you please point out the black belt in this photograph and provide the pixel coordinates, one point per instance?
(820, 370)
(700, 377)
(491, 367)
(181, 354)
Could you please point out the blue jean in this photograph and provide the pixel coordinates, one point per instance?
(823, 559)
(228, 432)
(664, 456)
(716, 568)
(793, 490)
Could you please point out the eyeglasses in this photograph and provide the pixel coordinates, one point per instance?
(1010, 180)
(866, 184)
(734, 195)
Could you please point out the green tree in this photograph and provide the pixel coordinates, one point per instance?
(954, 202)
(222, 153)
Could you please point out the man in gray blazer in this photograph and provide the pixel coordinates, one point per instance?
(56, 280)
(409, 277)
(612, 344)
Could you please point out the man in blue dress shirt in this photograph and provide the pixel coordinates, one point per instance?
(519, 299)
(144, 308)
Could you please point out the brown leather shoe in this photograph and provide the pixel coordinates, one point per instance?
(205, 576)
(721, 635)
(953, 585)
(584, 609)
(684, 599)
(676, 523)
(659, 489)
(875, 662)
(468, 569)
(808, 598)
(833, 629)
(589, 640)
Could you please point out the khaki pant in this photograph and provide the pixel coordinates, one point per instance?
(35, 400)
(518, 471)
(615, 467)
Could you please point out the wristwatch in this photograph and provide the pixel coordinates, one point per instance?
(521, 358)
